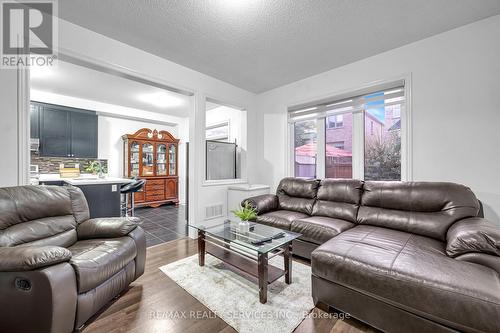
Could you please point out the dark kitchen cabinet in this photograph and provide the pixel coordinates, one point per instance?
(34, 122)
(54, 133)
(83, 135)
(66, 132)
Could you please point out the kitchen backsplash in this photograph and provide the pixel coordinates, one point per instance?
(51, 164)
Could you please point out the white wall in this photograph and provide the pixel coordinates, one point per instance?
(8, 128)
(112, 125)
(455, 99)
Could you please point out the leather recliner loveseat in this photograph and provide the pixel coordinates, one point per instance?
(57, 266)
(400, 256)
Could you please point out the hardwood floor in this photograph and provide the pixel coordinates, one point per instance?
(155, 303)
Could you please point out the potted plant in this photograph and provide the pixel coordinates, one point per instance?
(96, 168)
(245, 213)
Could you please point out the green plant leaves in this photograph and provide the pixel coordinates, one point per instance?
(246, 212)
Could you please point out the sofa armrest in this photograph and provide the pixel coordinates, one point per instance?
(139, 237)
(110, 227)
(483, 259)
(263, 203)
(41, 300)
(28, 258)
(473, 235)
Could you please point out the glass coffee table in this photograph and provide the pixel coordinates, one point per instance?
(239, 247)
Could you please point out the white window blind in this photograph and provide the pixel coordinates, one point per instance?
(375, 99)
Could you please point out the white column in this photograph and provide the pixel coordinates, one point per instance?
(358, 145)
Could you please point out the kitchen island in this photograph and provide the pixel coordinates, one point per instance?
(102, 194)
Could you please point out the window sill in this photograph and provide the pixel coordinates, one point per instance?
(223, 182)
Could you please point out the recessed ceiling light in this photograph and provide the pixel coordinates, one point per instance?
(161, 99)
(235, 3)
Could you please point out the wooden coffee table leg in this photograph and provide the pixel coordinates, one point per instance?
(262, 268)
(287, 255)
(201, 248)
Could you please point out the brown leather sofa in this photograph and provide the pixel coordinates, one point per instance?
(57, 266)
(400, 256)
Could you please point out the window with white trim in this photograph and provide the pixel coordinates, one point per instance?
(353, 136)
(335, 121)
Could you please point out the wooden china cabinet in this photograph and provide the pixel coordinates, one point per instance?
(153, 156)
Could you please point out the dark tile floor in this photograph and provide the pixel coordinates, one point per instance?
(163, 224)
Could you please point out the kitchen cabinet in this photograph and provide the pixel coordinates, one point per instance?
(54, 132)
(102, 194)
(153, 156)
(64, 131)
(171, 188)
(34, 121)
(83, 135)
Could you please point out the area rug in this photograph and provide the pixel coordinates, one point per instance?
(235, 298)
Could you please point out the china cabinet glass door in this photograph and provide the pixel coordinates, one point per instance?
(147, 160)
(134, 159)
(172, 160)
(161, 160)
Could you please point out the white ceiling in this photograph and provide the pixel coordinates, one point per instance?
(81, 82)
(261, 44)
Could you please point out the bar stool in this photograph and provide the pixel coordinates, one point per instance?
(127, 191)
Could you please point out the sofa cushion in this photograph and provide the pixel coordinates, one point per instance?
(297, 194)
(55, 230)
(338, 198)
(78, 203)
(413, 273)
(25, 203)
(96, 260)
(423, 208)
(41, 215)
(319, 229)
(280, 219)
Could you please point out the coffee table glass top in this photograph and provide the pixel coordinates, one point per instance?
(234, 233)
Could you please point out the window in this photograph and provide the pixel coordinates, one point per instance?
(338, 144)
(224, 135)
(338, 147)
(396, 111)
(305, 148)
(353, 137)
(335, 121)
(383, 150)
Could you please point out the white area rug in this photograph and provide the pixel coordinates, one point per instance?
(235, 299)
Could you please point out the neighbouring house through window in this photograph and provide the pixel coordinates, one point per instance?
(373, 119)
(339, 144)
(335, 121)
(305, 148)
(396, 111)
